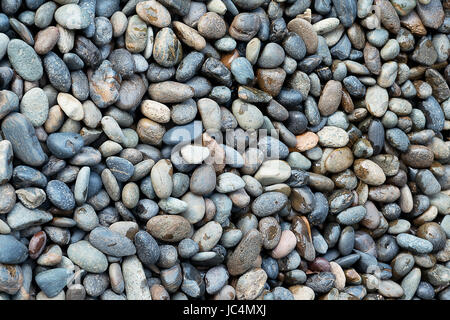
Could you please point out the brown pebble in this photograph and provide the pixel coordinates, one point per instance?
(330, 98)
(46, 39)
(418, 156)
(37, 244)
(270, 80)
(211, 26)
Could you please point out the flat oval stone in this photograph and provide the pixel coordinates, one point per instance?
(131, 92)
(19, 131)
(247, 115)
(72, 17)
(330, 98)
(169, 228)
(250, 285)
(60, 195)
(413, 243)
(269, 203)
(147, 248)
(170, 92)
(229, 182)
(208, 236)
(334, 137)
(203, 180)
(121, 168)
(57, 72)
(71, 106)
(24, 60)
(111, 243)
(273, 171)
(339, 160)
(433, 113)
(161, 176)
(136, 34)
(83, 254)
(34, 106)
(377, 100)
(351, 215)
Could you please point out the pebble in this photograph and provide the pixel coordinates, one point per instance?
(413, 243)
(24, 60)
(334, 137)
(134, 277)
(83, 254)
(377, 100)
(111, 243)
(351, 215)
(250, 285)
(169, 228)
(12, 251)
(51, 282)
(246, 251)
(11, 278)
(60, 195)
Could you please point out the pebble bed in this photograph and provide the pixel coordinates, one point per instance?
(224, 149)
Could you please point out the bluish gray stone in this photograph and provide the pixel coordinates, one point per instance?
(19, 131)
(346, 11)
(189, 66)
(398, 139)
(20, 217)
(25, 176)
(281, 293)
(57, 72)
(414, 244)
(121, 168)
(351, 215)
(60, 195)
(269, 203)
(9, 103)
(341, 50)
(193, 284)
(12, 251)
(52, 281)
(64, 145)
(427, 182)
(83, 254)
(185, 133)
(294, 46)
(147, 248)
(433, 113)
(111, 243)
(273, 148)
(215, 279)
(242, 70)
